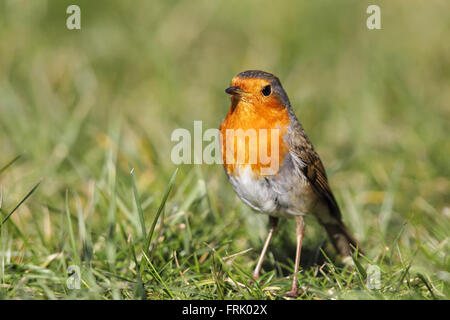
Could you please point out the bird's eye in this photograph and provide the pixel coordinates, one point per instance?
(266, 91)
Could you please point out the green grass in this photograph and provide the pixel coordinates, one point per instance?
(85, 124)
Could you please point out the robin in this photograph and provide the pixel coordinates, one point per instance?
(298, 186)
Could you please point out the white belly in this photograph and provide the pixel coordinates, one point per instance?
(270, 196)
(254, 192)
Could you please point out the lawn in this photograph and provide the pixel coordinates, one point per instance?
(87, 185)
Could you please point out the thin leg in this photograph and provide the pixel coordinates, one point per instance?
(299, 229)
(273, 224)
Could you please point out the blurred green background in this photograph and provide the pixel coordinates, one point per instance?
(83, 106)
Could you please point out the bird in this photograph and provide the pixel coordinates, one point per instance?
(297, 185)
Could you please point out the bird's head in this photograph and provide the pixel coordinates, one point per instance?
(259, 89)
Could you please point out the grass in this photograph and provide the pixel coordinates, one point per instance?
(85, 173)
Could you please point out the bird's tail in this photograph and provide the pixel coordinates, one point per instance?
(342, 239)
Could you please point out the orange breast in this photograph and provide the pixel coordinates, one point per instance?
(250, 133)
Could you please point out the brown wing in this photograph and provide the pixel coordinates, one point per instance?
(311, 166)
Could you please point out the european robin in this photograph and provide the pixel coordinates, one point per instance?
(297, 185)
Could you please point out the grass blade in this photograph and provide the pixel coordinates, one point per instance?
(158, 213)
(139, 290)
(21, 201)
(422, 278)
(156, 274)
(6, 166)
(71, 233)
(138, 205)
(359, 267)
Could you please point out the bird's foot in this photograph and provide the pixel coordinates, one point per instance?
(293, 293)
(255, 278)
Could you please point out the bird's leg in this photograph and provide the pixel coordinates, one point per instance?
(273, 224)
(299, 229)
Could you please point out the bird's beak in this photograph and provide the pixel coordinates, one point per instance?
(234, 91)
